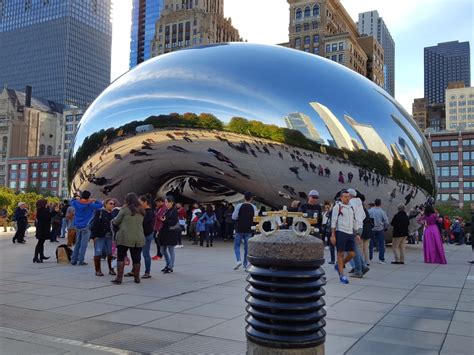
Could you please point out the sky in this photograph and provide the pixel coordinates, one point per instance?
(413, 24)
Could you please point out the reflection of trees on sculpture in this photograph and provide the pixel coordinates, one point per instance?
(370, 160)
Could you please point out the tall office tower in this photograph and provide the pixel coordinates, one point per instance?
(61, 48)
(186, 23)
(445, 63)
(324, 28)
(370, 23)
(145, 13)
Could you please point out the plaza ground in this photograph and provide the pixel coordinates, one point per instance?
(49, 308)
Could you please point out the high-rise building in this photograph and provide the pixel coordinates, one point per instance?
(375, 59)
(460, 108)
(340, 136)
(324, 28)
(370, 23)
(71, 119)
(369, 138)
(419, 113)
(187, 23)
(29, 127)
(60, 48)
(145, 13)
(453, 153)
(445, 63)
(303, 123)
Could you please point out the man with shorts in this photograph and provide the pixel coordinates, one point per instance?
(343, 226)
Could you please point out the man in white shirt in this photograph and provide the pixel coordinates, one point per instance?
(343, 224)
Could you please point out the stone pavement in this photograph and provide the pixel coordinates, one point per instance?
(199, 309)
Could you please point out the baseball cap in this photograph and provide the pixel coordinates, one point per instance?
(314, 193)
(352, 192)
(21, 204)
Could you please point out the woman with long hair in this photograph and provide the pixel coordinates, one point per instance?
(130, 236)
(169, 234)
(148, 223)
(432, 241)
(43, 229)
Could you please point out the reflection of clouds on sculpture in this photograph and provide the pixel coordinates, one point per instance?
(325, 101)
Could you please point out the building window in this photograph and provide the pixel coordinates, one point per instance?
(453, 143)
(44, 174)
(13, 175)
(44, 165)
(445, 143)
(435, 144)
(316, 50)
(55, 165)
(34, 166)
(42, 149)
(55, 174)
(341, 58)
(13, 167)
(22, 166)
(34, 175)
(4, 143)
(22, 184)
(334, 58)
(54, 183)
(299, 14)
(316, 38)
(297, 42)
(44, 184)
(307, 11)
(334, 47)
(315, 25)
(453, 156)
(12, 184)
(341, 46)
(298, 28)
(307, 40)
(316, 10)
(328, 48)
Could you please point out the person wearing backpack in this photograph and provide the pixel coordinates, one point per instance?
(210, 220)
(243, 217)
(101, 230)
(43, 229)
(456, 228)
(343, 224)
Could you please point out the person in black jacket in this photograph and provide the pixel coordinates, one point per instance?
(101, 231)
(148, 222)
(43, 229)
(168, 235)
(313, 209)
(21, 218)
(400, 224)
(243, 217)
(56, 221)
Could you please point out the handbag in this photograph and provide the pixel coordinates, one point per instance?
(176, 227)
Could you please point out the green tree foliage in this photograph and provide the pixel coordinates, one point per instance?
(446, 209)
(10, 199)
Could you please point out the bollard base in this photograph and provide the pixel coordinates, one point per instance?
(256, 349)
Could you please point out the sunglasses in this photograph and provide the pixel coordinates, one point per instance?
(111, 203)
(314, 196)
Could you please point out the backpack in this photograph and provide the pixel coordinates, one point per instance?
(456, 227)
(63, 254)
(99, 226)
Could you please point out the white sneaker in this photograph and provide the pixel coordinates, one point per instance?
(381, 262)
(238, 265)
(181, 246)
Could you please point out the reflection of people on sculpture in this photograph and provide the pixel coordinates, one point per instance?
(393, 194)
(107, 189)
(203, 163)
(169, 135)
(135, 162)
(280, 155)
(289, 189)
(294, 170)
(187, 139)
(118, 156)
(327, 172)
(177, 149)
(253, 153)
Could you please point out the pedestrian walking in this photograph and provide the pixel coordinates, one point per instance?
(400, 223)
(130, 236)
(43, 229)
(243, 216)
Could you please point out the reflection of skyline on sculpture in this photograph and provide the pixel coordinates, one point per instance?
(339, 134)
(369, 137)
(302, 123)
(238, 122)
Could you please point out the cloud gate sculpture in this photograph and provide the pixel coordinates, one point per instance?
(209, 123)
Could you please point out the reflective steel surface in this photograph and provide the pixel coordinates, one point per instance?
(212, 122)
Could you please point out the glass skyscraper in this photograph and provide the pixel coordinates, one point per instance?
(145, 13)
(62, 48)
(445, 63)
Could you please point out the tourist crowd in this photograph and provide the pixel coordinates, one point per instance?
(351, 227)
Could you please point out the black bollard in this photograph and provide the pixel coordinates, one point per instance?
(285, 313)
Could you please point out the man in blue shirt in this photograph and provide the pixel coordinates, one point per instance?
(84, 211)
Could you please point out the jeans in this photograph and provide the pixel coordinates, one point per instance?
(210, 230)
(239, 237)
(103, 245)
(357, 261)
(168, 252)
(63, 228)
(146, 252)
(82, 238)
(378, 238)
(365, 251)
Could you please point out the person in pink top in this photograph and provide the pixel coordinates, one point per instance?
(432, 242)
